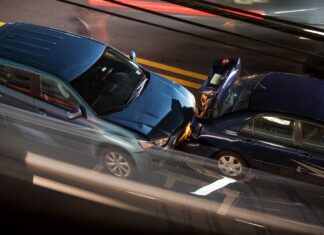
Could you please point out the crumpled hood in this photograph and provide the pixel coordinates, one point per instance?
(161, 109)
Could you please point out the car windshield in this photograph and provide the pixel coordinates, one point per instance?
(237, 96)
(216, 80)
(111, 83)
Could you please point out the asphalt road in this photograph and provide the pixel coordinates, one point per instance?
(183, 58)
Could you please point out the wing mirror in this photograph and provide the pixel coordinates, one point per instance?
(74, 114)
(132, 56)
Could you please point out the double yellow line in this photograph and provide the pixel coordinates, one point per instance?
(175, 70)
(169, 68)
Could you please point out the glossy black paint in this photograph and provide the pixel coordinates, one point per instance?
(290, 93)
(279, 95)
(225, 134)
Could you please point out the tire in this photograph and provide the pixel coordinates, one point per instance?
(118, 162)
(230, 164)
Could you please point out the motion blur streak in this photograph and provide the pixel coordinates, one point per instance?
(208, 189)
(314, 31)
(77, 192)
(293, 11)
(154, 6)
(246, 222)
(159, 7)
(141, 197)
(242, 14)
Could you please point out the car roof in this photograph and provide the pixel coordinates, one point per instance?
(60, 53)
(290, 93)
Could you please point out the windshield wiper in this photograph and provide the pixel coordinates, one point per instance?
(137, 91)
(114, 109)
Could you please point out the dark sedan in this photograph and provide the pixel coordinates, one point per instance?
(273, 122)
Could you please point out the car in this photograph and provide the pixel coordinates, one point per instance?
(273, 122)
(24, 132)
(89, 84)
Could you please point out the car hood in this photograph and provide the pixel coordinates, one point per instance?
(162, 109)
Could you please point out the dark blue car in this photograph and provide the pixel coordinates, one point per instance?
(84, 82)
(273, 122)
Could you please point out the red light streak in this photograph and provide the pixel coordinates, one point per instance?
(245, 14)
(168, 8)
(153, 6)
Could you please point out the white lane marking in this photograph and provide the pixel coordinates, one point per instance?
(218, 184)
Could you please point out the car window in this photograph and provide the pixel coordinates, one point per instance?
(313, 136)
(271, 127)
(110, 83)
(16, 79)
(248, 127)
(238, 95)
(56, 94)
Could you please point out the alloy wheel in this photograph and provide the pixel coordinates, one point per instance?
(230, 166)
(117, 164)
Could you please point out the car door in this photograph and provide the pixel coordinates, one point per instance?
(311, 164)
(270, 141)
(55, 100)
(16, 87)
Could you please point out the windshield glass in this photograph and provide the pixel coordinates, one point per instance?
(237, 96)
(216, 80)
(109, 85)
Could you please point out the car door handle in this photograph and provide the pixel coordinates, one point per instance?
(304, 154)
(249, 141)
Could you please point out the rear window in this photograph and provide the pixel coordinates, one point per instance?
(313, 136)
(238, 95)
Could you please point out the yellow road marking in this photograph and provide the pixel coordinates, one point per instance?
(2, 23)
(181, 81)
(171, 69)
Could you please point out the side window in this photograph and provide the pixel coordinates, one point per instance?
(313, 136)
(16, 79)
(54, 93)
(270, 127)
(248, 127)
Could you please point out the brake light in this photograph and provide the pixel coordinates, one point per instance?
(225, 61)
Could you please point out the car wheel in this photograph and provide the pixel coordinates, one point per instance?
(231, 164)
(119, 163)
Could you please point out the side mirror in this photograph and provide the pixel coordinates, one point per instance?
(74, 114)
(132, 56)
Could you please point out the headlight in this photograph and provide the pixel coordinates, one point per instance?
(158, 143)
